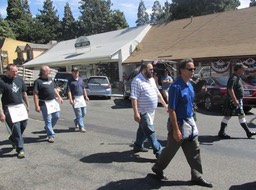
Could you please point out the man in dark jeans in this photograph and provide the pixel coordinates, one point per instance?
(234, 106)
(13, 95)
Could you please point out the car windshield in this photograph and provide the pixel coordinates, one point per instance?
(222, 81)
(98, 80)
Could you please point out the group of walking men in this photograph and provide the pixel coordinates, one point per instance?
(182, 129)
(14, 104)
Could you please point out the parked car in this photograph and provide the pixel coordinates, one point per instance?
(216, 92)
(159, 68)
(98, 86)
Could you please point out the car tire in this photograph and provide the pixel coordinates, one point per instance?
(208, 104)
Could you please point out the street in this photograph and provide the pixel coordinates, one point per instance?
(102, 158)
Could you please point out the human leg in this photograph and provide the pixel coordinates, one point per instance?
(148, 130)
(244, 125)
(223, 126)
(79, 113)
(48, 122)
(139, 142)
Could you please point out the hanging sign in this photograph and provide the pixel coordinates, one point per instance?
(251, 64)
(220, 66)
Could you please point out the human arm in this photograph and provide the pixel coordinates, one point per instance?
(25, 98)
(161, 99)
(233, 97)
(135, 110)
(58, 96)
(70, 98)
(36, 101)
(175, 127)
(2, 115)
(85, 95)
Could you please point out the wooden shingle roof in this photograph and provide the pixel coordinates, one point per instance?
(230, 33)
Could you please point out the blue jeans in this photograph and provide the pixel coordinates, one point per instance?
(80, 113)
(17, 130)
(146, 131)
(50, 120)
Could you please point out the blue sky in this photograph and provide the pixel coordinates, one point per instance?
(129, 7)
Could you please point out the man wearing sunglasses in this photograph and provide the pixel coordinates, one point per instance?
(182, 129)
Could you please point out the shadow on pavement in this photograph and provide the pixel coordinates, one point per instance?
(246, 186)
(147, 183)
(109, 157)
(121, 103)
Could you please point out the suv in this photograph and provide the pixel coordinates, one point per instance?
(159, 68)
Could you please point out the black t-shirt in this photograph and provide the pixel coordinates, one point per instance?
(76, 87)
(45, 88)
(234, 82)
(13, 89)
(2, 86)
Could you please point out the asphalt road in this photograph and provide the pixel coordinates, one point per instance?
(102, 158)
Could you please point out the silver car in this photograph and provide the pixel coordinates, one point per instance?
(98, 86)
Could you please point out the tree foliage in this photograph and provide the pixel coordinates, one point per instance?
(142, 15)
(69, 25)
(5, 29)
(50, 22)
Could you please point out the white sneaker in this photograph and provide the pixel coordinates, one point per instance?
(82, 130)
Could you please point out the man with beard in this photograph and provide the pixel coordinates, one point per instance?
(144, 98)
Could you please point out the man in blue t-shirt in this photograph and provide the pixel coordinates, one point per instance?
(77, 96)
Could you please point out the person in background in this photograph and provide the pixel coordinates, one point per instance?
(182, 129)
(144, 97)
(234, 103)
(166, 81)
(77, 96)
(13, 94)
(44, 94)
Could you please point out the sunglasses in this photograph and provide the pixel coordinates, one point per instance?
(190, 69)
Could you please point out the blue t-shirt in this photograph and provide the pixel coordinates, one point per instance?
(181, 98)
(76, 87)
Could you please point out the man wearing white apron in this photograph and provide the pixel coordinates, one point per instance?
(14, 111)
(44, 94)
(77, 96)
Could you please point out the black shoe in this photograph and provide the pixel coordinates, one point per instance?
(250, 134)
(136, 149)
(201, 182)
(223, 136)
(159, 174)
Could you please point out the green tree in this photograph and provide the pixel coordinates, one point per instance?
(69, 26)
(5, 29)
(142, 15)
(253, 3)
(117, 21)
(97, 17)
(50, 21)
(186, 8)
(156, 14)
(19, 18)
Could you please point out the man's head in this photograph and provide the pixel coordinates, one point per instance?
(186, 68)
(147, 70)
(11, 71)
(44, 71)
(75, 72)
(240, 66)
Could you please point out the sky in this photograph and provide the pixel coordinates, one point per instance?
(128, 7)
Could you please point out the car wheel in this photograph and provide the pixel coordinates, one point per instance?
(208, 104)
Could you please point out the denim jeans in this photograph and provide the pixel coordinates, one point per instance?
(146, 131)
(50, 120)
(80, 113)
(17, 129)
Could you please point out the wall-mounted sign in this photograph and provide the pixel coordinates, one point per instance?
(220, 66)
(251, 64)
(82, 41)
